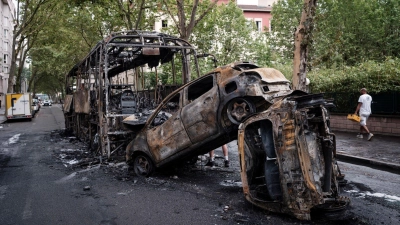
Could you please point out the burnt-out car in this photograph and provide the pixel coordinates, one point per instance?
(286, 148)
(287, 156)
(203, 114)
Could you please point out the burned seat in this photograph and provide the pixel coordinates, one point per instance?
(128, 102)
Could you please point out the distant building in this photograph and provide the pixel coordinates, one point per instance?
(258, 11)
(7, 14)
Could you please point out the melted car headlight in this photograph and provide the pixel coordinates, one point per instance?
(251, 79)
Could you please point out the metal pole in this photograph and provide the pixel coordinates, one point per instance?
(156, 87)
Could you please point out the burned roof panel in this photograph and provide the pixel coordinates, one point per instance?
(129, 49)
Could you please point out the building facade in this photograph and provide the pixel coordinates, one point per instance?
(258, 11)
(7, 14)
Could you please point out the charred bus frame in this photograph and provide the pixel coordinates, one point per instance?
(97, 100)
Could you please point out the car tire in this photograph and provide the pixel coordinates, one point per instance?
(142, 165)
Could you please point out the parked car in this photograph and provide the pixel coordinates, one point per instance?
(34, 109)
(46, 103)
(37, 103)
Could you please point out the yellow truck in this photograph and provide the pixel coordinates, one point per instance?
(19, 106)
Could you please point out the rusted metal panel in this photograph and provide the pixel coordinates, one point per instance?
(81, 101)
(168, 138)
(199, 117)
(67, 103)
(151, 51)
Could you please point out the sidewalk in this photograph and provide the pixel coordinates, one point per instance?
(2, 115)
(382, 152)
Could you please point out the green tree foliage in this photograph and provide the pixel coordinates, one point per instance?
(346, 32)
(30, 17)
(286, 16)
(73, 29)
(351, 40)
(227, 34)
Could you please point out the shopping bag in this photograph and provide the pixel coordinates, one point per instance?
(353, 117)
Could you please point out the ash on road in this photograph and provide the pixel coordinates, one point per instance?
(47, 177)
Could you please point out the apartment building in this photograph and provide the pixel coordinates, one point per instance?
(7, 15)
(258, 11)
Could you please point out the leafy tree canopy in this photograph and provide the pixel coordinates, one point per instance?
(355, 43)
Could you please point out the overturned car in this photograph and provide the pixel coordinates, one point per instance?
(287, 156)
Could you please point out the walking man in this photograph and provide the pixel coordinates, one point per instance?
(364, 109)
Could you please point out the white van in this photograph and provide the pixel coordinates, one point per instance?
(19, 106)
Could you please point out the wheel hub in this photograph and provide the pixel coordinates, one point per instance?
(239, 111)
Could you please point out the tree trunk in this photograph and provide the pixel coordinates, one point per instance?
(13, 66)
(302, 40)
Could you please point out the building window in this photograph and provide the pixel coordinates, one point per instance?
(164, 23)
(5, 70)
(258, 25)
(5, 58)
(5, 47)
(5, 32)
(5, 20)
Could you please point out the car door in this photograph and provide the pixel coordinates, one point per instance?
(166, 135)
(199, 115)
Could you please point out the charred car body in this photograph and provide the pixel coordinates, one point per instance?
(287, 151)
(204, 114)
(287, 156)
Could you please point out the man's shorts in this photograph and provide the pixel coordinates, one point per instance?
(363, 119)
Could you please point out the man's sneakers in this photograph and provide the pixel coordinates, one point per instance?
(226, 163)
(210, 163)
(370, 135)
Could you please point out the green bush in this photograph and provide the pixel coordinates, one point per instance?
(375, 76)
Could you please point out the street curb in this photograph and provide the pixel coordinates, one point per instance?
(386, 166)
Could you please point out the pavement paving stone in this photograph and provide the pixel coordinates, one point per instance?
(380, 151)
(2, 115)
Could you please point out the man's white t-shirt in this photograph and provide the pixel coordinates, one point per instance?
(366, 100)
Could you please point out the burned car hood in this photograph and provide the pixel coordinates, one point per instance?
(270, 75)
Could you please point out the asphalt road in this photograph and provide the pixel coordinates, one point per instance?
(47, 178)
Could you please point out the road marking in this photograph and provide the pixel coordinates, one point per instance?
(12, 140)
(390, 198)
(27, 214)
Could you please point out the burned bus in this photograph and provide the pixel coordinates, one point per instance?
(118, 78)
